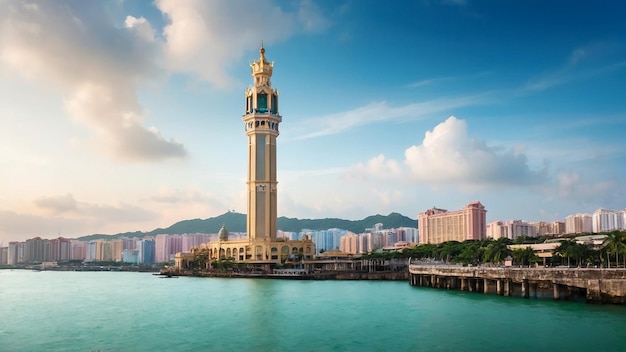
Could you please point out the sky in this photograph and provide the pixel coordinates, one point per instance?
(121, 116)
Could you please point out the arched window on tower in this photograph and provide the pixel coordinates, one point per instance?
(261, 102)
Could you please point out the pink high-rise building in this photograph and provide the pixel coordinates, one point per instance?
(439, 225)
(161, 248)
(349, 243)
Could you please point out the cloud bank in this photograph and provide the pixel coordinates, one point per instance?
(205, 38)
(448, 155)
(97, 64)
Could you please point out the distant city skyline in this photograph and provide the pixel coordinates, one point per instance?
(126, 116)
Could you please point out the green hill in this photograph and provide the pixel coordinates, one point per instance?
(236, 222)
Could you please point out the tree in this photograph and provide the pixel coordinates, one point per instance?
(497, 251)
(565, 249)
(472, 253)
(524, 256)
(615, 243)
(449, 250)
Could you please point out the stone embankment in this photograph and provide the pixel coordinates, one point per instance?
(596, 285)
(318, 275)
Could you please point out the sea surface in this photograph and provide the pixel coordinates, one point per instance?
(120, 311)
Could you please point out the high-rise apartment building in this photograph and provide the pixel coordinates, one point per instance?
(555, 228)
(161, 248)
(511, 229)
(78, 250)
(350, 244)
(578, 223)
(13, 253)
(59, 249)
(604, 220)
(146, 251)
(439, 225)
(4, 255)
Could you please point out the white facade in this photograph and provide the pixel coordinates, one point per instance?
(511, 229)
(91, 251)
(13, 253)
(578, 223)
(410, 234)
(604, 220)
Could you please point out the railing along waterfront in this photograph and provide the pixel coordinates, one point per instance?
(597, 285)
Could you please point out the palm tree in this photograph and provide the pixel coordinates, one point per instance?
(449, 250)
(524, 256)
(565, 249)
(614, 242)
(497, 251)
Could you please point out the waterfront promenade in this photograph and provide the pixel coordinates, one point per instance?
(595, 285)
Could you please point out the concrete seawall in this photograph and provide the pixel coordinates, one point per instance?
(323, 275)
(596, 285)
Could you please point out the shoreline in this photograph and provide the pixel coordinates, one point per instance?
(327, 275)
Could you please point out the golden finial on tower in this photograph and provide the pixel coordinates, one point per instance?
(262, 51)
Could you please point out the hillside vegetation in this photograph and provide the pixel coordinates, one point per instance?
(236, 222)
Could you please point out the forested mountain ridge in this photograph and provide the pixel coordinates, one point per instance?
(236, 222)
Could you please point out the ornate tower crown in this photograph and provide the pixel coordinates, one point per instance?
(262, 69)
(260, 97)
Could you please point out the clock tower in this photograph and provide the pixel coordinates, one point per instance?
(261, 120)
(261, 248)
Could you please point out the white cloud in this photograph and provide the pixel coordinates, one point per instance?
(206, 37)
(57, 204)
(375, 112)
(97, 213)
(448, 154)
(99, 66)
(142, 26)
(574, 70)
(71, 219)
(170, 196)
(573, 186)
(379, 166)
(118, 118)
(311, 18)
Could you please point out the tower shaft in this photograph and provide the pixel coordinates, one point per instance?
(261, 121)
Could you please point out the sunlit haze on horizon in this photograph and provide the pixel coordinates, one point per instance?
(121, 116)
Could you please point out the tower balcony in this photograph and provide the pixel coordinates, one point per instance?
(256, 123)
(263, 111)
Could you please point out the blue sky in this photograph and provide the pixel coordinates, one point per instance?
(126, 115)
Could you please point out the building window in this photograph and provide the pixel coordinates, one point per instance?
(261, 102)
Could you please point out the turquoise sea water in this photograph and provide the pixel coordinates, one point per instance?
(117, 311)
